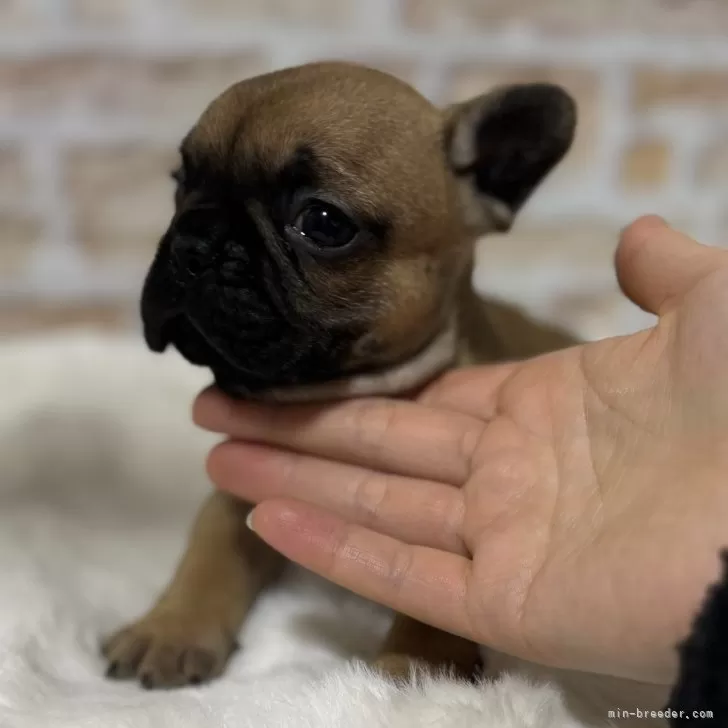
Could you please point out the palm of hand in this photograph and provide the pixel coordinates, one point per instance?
(581, 481)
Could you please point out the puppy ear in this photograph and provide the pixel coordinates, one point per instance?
(501, 145)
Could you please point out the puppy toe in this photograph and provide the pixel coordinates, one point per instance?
(162, 667)
(200, 665)
(124, 652)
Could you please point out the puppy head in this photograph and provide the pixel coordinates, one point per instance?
(325, 219)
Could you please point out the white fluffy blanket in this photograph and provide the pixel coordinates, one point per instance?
(100, 474)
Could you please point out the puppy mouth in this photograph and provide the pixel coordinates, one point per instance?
(159, 336)
(168, 323)
(233, 379)
(202, 346)
(181, 332)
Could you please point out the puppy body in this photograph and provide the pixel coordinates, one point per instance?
(322, 247)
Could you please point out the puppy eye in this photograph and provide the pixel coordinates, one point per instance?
(325, 225)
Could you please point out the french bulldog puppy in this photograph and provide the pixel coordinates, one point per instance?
(322, 247)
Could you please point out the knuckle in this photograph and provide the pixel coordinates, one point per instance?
(339, 554)
(291, 465)
(469, 442)
(399, 569)
(369, 494)
(372, 421)
(453, 519)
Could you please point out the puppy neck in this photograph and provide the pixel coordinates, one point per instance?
(402, 378)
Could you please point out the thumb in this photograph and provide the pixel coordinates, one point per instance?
(657, 265)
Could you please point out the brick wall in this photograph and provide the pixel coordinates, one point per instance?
(95, 94)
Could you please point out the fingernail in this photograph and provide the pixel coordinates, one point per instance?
(249, 521)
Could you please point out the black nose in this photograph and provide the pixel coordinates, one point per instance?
(190, 257)
(192, 241)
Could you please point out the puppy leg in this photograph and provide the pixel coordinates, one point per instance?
(190, 633)
(413, 644)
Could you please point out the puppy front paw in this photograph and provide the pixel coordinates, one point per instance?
(168, 650)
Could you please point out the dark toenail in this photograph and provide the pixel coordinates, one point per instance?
(113, 669)
(147, 681)
(195, 679)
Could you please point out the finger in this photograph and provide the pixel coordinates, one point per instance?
(657, 265)
(415, 511)
(400, 437)
(473, 391)
(424, 583)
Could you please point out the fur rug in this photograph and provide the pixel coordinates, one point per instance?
(101, 473)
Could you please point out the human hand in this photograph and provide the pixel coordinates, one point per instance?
(567, 509)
